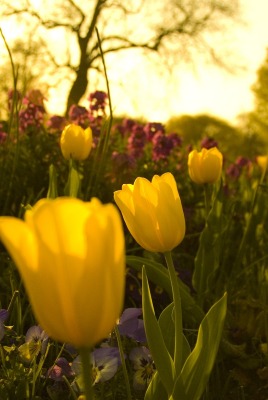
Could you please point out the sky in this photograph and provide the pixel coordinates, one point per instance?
(140, 90)
(204, 88)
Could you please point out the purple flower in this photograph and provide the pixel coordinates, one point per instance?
(56, 123)
(3, 136)
(98, 101)
(176, 139)
(143, 366)
(233, 171)
(136, 141)
(162, 146)
(36, 97)
(152, 127)
(122, 161)
(3, 316)
(79, 115)
(242, 161)
(31, 117)
(132, 326)
(105, 362)
(36, 341)
(208, 142)
(61, 368)
(13, 95)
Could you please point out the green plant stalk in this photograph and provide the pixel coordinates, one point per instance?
(73, 185)
(69, 387)
(177, 312)
(86, 372)
(240, 250)
(207, 194)
(122, 357)
(101, 150)
(13, 107)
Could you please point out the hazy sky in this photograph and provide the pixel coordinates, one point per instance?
(205, 88)
(139, 90)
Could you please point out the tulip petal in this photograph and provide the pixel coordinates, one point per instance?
(20, 243)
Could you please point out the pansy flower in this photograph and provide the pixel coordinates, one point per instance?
(104, 361)
(143, 366)
(131, 326)
(36, 341)
(59, 369)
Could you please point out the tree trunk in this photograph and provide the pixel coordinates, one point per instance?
(78, 88)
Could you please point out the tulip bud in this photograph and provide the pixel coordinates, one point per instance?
(76, 142)
(153, 212)
(262, 162)
(205, 166)
(71, 257)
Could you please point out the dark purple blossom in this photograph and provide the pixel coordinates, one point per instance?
(31, 117)
(124, 127)
(13, 96)
(61, 368)
(208, 143)
(176, 139)
(79, 115)
(136, 141)
(233, 171)
(98, 101)
(3, 317)
(56, 123)
(162, 146)
(36, 97)
(132, 326)
(122, 162)
(3, 136)
(151, 128)
(243, 162)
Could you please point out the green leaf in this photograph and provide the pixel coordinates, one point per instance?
(158, 274)
(156, 389)
(191, 384)
(162, 359)
(72, 187)
(209, 251)
(166, 323)
(53, 187)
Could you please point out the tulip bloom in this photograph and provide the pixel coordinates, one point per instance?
(262, 162)
(205, 166)
(153, 212)
(71, 257)
(75, 142)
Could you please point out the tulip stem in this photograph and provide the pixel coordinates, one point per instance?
(207, 192)
(122, 357)
(86, 372)
(177, 312)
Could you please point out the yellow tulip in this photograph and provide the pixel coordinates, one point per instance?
(262, 162)
(71, 257)
(205, 166)
(76, 142)
(153, 212)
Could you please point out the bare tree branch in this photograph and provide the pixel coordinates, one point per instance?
(165, 23)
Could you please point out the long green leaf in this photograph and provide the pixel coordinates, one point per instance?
(156, 389)
(191, 384)
(210, 244)
(166, 323)
(162, 359)
(158, 274)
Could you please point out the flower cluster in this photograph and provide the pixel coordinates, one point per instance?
(31, 115)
